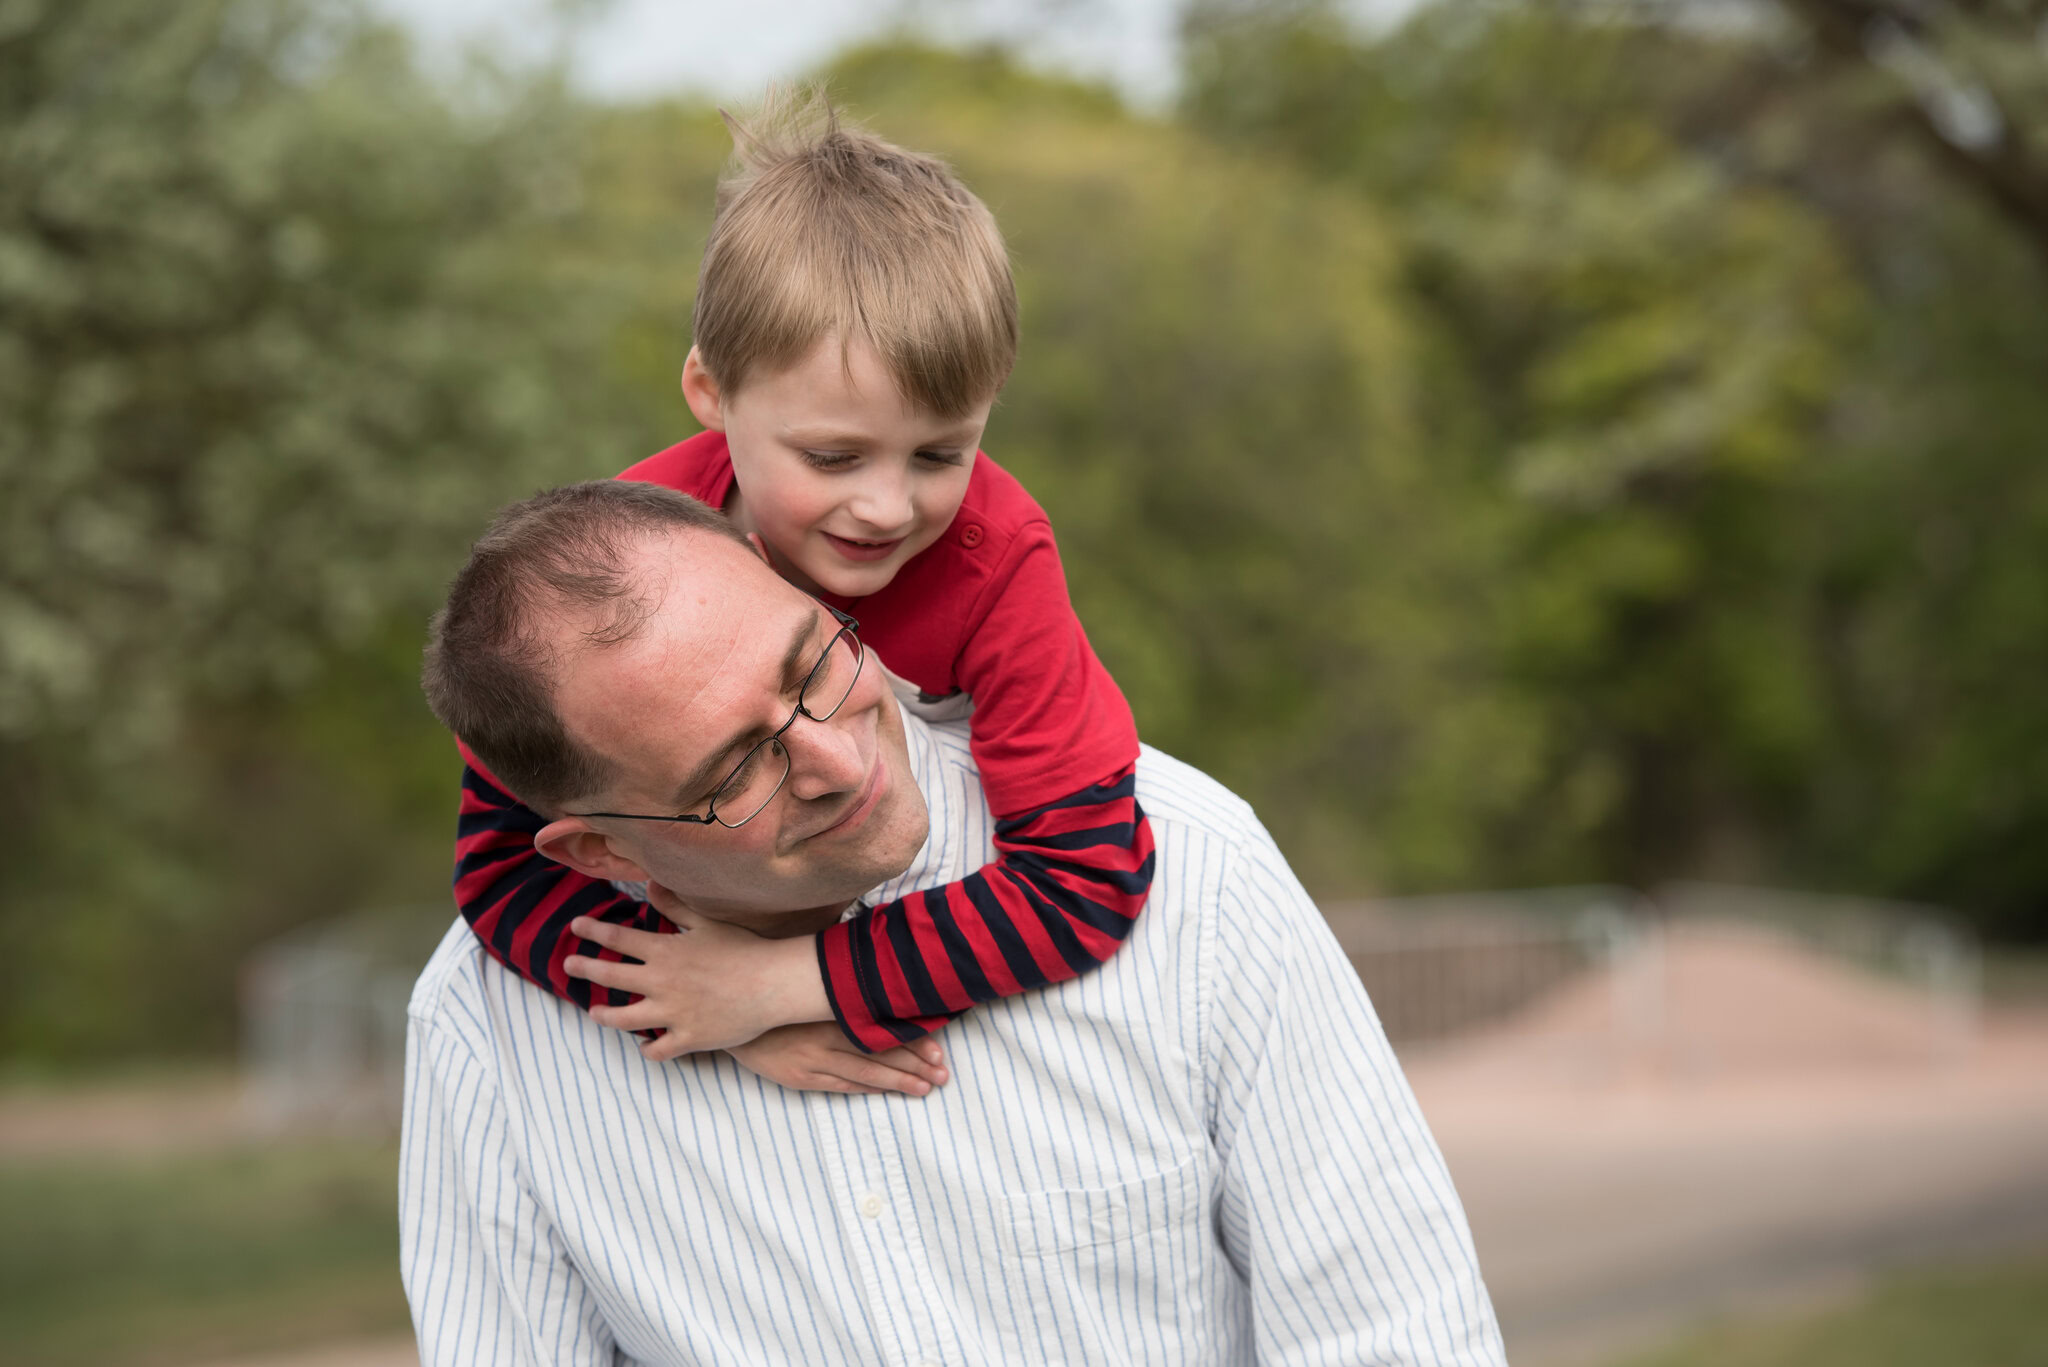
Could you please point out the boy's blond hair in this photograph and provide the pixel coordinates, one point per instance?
(828, 231)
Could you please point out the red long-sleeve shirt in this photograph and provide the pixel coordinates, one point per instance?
(983, 611)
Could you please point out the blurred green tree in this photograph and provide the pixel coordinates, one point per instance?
(1966, 83)
(1754, 371)
(1641, 349)
(277, 328)
(266, 322)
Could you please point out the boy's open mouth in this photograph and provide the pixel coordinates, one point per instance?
(863, 550)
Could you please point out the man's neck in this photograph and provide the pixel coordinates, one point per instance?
(785, 925)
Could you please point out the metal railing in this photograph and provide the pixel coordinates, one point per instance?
(323, 1021)
(323, 1010)
(1442, 966)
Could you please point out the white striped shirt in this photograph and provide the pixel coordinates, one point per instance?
(1202, 1152)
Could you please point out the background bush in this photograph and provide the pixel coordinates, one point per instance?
(1520, 447)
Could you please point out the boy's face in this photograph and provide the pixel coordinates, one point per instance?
(843, 478)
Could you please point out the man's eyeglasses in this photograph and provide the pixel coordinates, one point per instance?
(761, 772)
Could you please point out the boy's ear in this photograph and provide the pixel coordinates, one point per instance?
(701, 392)
(761, 549)
(573, 842)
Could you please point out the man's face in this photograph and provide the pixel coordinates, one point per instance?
(714, 669)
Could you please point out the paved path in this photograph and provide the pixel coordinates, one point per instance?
(372, 1353)
(1609, 1214)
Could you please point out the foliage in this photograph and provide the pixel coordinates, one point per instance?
(1700, 298)
(1965, 81)
(279, 329)
(269, 344)
(1526, 445)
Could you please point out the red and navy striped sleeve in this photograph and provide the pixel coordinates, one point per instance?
(520, 902)
(1069, 882)
(1056, 749)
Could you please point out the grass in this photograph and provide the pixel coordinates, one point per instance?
(1975, 1315)
(156, 1262)
(2016, 977)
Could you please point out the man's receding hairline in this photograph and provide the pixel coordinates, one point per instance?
(649, 594)
(558, 658)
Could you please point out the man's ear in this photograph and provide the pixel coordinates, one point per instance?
(706, 401)
(574, 842)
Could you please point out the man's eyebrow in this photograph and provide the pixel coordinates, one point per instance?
(794, 658)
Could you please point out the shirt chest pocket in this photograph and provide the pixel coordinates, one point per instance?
(1052, 1223)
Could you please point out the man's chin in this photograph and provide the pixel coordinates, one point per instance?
(895, 832)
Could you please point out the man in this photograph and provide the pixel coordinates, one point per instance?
(1203, 1152)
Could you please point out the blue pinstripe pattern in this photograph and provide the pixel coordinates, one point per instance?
(1203, 1152)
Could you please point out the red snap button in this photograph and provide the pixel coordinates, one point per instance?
(970, 535)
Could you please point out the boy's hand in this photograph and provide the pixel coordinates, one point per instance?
(819, 1058)
(712, 987)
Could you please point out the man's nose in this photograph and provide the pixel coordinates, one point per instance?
(825, 756)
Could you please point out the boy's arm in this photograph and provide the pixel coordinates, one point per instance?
(1070, 881)
(520, 903)
(1056, 748)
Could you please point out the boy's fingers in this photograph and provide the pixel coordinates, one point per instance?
(662, 1050)
(633, 1016)
(826, 1082)
(625, 939)
(908, 1060)
(604, 971)
(928, 1049)
(875, 1073)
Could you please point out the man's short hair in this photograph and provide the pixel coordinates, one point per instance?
(554, 568)
(824, 230)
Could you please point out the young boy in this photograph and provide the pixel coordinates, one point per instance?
(855, 319)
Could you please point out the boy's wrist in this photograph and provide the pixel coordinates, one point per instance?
(798, 986)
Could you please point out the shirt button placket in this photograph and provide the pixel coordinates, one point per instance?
(893, 1264)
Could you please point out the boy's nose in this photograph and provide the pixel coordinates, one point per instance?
(882, 506)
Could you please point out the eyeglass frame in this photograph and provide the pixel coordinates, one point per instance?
(848, 628)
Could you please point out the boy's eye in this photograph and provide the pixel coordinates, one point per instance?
(829, 460)
(941, 457)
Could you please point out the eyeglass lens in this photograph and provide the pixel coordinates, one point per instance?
(762, 773)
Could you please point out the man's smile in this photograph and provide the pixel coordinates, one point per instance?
(857, 814)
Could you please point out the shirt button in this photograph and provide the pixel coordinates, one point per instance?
(871, 1206)
(970, 535)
